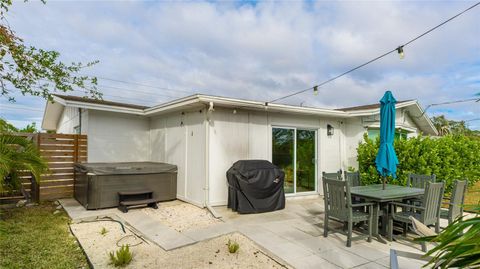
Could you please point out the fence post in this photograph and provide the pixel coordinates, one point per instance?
(34, 189)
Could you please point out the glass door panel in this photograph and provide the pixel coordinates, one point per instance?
(283, 148)
(305, 158)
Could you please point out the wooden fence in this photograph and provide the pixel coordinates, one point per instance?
(61, 151)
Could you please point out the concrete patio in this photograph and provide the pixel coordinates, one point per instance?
(293, 235)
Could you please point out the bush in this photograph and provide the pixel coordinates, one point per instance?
(449, 157)
(121, 257)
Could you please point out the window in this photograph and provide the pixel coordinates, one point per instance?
(373, 133)
(294, 151)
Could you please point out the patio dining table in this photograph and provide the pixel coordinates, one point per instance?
(381, 197)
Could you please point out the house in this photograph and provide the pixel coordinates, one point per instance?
(204, 135)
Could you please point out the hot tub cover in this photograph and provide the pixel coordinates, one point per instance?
(255, 186)
(126, 168)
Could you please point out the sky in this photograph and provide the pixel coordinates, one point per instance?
(151, 52)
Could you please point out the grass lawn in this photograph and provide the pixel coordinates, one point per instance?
(472, 198)
(33, 237)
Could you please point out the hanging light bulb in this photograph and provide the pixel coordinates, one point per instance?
(400, 52)
(315, 90)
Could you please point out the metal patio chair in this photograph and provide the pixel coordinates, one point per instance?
(455, 203)
(428, 213)
(339, 207)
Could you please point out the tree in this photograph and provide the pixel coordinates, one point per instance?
(35, 71)
(445, 126)
(442, 125)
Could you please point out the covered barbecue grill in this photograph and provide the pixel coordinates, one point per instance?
(255, 186)
(97, 185)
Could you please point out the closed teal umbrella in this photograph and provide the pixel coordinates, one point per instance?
(387, 160)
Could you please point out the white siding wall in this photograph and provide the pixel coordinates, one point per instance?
(70, 119)
(248, 135)
(117, 137)
(228, 143)
(354, 135)
(180, 139)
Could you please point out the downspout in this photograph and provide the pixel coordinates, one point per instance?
(207, 162)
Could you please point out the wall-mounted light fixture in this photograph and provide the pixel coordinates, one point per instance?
(330, 130)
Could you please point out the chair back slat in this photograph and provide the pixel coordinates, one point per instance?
(337, 175)
(455, 209)
(353, 178)
(337, 198)
(432, 201)
(419, 181)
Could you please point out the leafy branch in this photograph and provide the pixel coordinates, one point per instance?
(34, 71)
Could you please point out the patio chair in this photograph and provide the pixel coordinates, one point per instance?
(455, 204)
(419, 181)
(428, 213)
(337, 175)
(422, 231)
(353, 178)
(339, 207)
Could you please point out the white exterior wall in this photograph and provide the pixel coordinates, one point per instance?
(70, 119)
(354, 135)
(248, 135)
(180, 139)
(117, 137)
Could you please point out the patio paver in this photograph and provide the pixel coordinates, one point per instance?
(294, 235)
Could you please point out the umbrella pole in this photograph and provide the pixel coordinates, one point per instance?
(384, 182)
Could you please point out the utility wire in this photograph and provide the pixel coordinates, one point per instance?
(2, 107)
(145, 85)
(399, 48)
(447, 103)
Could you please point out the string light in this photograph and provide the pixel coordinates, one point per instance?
(398, 49)
(315, 90)
(400, 52)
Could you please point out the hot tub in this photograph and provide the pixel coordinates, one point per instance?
(97, 185)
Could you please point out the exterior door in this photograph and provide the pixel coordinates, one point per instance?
(294, 151)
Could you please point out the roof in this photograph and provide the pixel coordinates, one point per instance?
(98, 101)
(54, 109)
(367, 107)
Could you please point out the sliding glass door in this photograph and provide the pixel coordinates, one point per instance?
(294, 151)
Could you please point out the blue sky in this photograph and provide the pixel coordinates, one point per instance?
(260, 50)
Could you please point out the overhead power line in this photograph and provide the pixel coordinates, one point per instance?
(2, 107)
(145, 85)
(448, 103)
(398, 49)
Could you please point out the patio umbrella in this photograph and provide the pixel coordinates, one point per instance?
(386, 160)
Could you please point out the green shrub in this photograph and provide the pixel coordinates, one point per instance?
(449, 157)
(233, 246)
(121, 257)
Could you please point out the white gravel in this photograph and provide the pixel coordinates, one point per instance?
(181, 216)
(211, 253)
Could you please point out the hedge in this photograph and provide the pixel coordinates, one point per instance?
(448, 157)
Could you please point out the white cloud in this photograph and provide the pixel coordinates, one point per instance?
(266, 50)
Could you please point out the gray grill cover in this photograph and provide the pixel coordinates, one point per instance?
(255, 186)
(126, 168)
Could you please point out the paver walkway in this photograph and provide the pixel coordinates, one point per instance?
(294, 235)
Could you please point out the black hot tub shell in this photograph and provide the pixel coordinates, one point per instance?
(97, 184)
